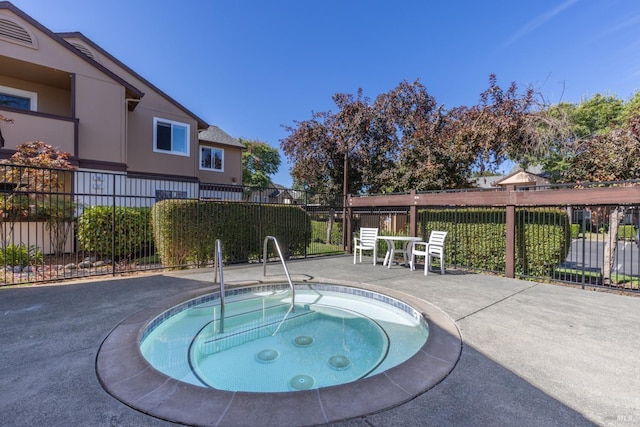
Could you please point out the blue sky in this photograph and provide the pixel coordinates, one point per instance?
(251, 66)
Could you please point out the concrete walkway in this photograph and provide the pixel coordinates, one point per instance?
(533, 354)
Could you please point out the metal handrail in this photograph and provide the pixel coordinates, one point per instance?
(284, 265)
(217, 271)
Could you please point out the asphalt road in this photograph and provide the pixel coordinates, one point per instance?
(589, 254)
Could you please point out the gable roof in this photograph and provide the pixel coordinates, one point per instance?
(131, 91)
(77, 35)
(218, 136)
(522, 178)
(485, 181)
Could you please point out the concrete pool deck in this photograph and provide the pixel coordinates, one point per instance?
(532, 354)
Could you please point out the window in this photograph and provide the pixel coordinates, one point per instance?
(170, 137)
(211, 159)
(16, 98)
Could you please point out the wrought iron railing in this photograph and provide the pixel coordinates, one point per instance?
(61, 225)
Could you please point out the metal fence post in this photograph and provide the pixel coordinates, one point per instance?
(113, 225)
(510, 234)
(413, 217)
(349, 230)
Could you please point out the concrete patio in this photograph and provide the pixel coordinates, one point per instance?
(533, 354)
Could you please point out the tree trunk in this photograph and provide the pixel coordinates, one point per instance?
(611, 244)
(330, 225)
(59, 232)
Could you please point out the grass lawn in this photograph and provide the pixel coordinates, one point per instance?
(620, 280)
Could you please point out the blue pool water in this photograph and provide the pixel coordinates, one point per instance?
(334, 335)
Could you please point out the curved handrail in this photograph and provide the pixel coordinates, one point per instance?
(284, 265)
(217, 268)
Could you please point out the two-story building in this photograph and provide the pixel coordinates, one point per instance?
(65, 90)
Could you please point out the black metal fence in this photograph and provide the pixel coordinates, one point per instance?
(569, 244)
(58, 225)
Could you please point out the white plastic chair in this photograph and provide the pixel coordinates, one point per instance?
(434, 248)
(366, 242)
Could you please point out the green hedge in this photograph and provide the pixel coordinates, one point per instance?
(186, 230)
(477, 238)
(131, 227)
(575, 230)
(626, 232)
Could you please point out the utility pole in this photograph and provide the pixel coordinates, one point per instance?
(345, 238)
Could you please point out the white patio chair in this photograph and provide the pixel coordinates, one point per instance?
(366, 242)
(434, 248)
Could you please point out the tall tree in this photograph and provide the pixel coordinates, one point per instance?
(411, 121)
(604, 145)
(610, 156)
(596, 115)
(319, 146)
(363, 140)
(329, 151)
(631, 108)
(405, 140)
(442, 149)
(259, 162)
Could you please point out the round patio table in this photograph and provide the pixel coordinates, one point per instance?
(407, 246)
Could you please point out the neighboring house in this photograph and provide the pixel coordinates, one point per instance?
(276, 193)
(280, 194)
(522, 178)
(63, 89)
(488, 181)
(217, 151)
(531, 176)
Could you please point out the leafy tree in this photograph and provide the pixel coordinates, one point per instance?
(329, 144)
(565, 125)
(555, 151)
(596, 115)
(610, 156)
(39, 154)
(259, 162)
(411, 123)
(34, 172)
(329, 150)
(586, 124)
(631, 108)
(368, 142)
(602, 144)
(405, 140)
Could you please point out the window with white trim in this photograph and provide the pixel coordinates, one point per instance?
(170, 137)
(211, 158)
(18, 98)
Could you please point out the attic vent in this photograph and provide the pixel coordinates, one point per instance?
(82, 48)
(14, 32)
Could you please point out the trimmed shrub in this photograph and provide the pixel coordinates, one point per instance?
(626, 232)
(185, 231)
(115, 232)
(477, 238)
(575, 230)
